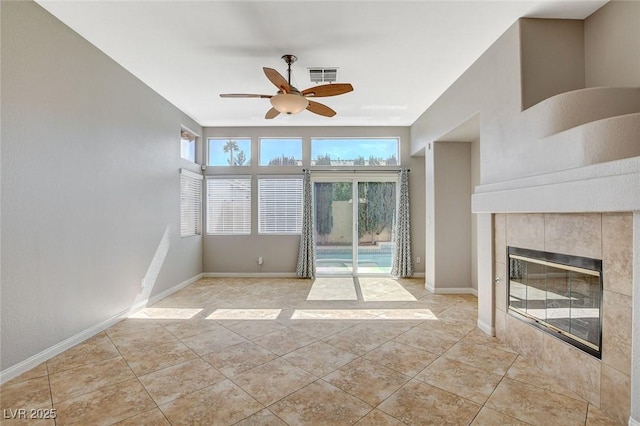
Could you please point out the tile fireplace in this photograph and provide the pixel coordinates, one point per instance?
(604, 382)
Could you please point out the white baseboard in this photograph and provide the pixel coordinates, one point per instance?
(491, 331)
(249, 275)
(452, 290)
(277, 275)
(170, 291)
(58, 348)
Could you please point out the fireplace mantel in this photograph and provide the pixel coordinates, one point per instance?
(605, 187)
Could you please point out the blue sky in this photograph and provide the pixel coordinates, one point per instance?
(217, 156)
(343, 149)
(349, 149)
(272, 148)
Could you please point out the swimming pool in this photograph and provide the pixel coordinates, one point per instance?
(339, 259)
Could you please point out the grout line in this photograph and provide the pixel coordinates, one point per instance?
(358, 289)
(53, 406)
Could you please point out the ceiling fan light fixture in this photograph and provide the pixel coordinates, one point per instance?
(289, 103)
(290, 100)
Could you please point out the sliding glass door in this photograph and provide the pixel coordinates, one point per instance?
(354, 224)
(375, 225)
(334, 227)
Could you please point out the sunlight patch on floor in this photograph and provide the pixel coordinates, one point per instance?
(333, 289)
(166, 313)
(245, 314)
(383, 290)
(407, 314)
(363, 314)
(343, 314)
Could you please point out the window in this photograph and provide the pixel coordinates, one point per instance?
(229, 152)
(229, 206)
(280, 152)
(279, 206)
(355, 152)
(188, 145)
(190, 203)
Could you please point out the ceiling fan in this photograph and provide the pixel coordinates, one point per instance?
(290, 100)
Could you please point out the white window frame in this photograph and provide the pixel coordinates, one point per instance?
(190, 203)
(283, 215)
(232, 214)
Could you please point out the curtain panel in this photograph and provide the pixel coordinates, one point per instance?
(307, 253)
(402, 265)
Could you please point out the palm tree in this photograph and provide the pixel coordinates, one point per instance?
(240, 159)
(230, 147)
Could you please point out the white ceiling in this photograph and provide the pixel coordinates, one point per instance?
(399, 55)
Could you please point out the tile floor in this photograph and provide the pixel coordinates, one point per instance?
(373, 351)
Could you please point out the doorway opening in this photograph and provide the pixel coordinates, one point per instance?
(355, 224)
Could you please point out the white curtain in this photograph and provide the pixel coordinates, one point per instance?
(402, 264)
(307, 252)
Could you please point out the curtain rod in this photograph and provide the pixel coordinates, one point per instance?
(357, 170)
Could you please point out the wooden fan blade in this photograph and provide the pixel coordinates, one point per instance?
(243, 95)
(320, 109)
(272, 113)
(277, 79)
(328, 90)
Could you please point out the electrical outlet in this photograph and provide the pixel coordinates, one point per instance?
(260, 260)
(418, 259)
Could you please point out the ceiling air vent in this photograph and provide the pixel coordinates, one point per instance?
(323, 75)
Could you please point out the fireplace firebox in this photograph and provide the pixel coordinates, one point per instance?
(559, 293)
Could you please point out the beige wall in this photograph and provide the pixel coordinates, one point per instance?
(90, 188)
(491, 86)
(237, 254)
(552, 58)
(612, 45)
(609, 236)
(475, 181)
(449, 216)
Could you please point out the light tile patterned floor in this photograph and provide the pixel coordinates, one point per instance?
(262, 352)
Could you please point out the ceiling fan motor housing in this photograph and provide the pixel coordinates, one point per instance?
(289, 59)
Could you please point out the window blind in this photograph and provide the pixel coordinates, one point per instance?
(190, 203)
(229, 206)
(279, 206)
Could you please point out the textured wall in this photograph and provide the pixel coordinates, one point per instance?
(90, 186)
(612, 45)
